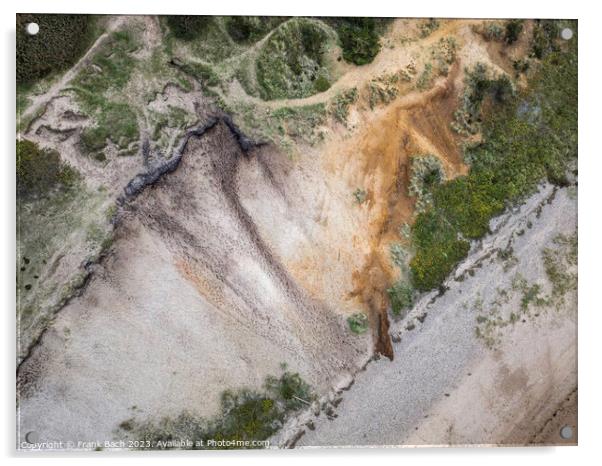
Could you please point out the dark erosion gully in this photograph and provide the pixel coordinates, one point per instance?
(151, 176)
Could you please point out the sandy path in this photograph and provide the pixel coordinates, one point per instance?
(389, 60)
(444, 385)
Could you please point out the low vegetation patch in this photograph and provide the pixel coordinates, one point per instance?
(291, 63)
(284, 126)
(444, 54)
(560, 263)
(428, 27)
(383, 89)
(339, 107)
(401, 295)
(358, 323)
(108, 73)
(545, 38)
(41, 170)
(480, 85)
(426, 172)
(245, 415)
(425, 79)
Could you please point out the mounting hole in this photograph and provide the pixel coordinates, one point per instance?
(32, 29)
(566, 432)
(566, 33)
(32, 437)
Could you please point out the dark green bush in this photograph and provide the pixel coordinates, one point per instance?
(526, 138)
(513, 29)
(62, 40)
(249, 29)
(40, 170)
(359, 37)
(545, 37)
(188, 27)
(480, 85)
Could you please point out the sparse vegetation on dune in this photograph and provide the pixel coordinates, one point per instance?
(426, 173)
(527, 137)
(291, 63)
(108, 74)
(41, 170)
(245, 415)
(285, 124)
(428, 27)
(341, 103)
(480, 84)
(56, 214)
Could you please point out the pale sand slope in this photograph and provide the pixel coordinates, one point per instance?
(445, 386)
(191, 301)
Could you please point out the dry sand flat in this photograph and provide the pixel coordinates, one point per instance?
(445, 386)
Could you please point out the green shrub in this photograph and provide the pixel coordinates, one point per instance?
(188, 27)
(428, 27)
(202, 72)
(426, 172)
(545, 38)
(398, 255)
(40, 170)
(401, 295)
(513, 29)
(480, 85)
(359, 38)
(291, 62)
(62, 40)
(493, 31)
(383, 89)
(341, 103)
(358, 323)
(520, 66)
(360, 195)
(291, 391)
